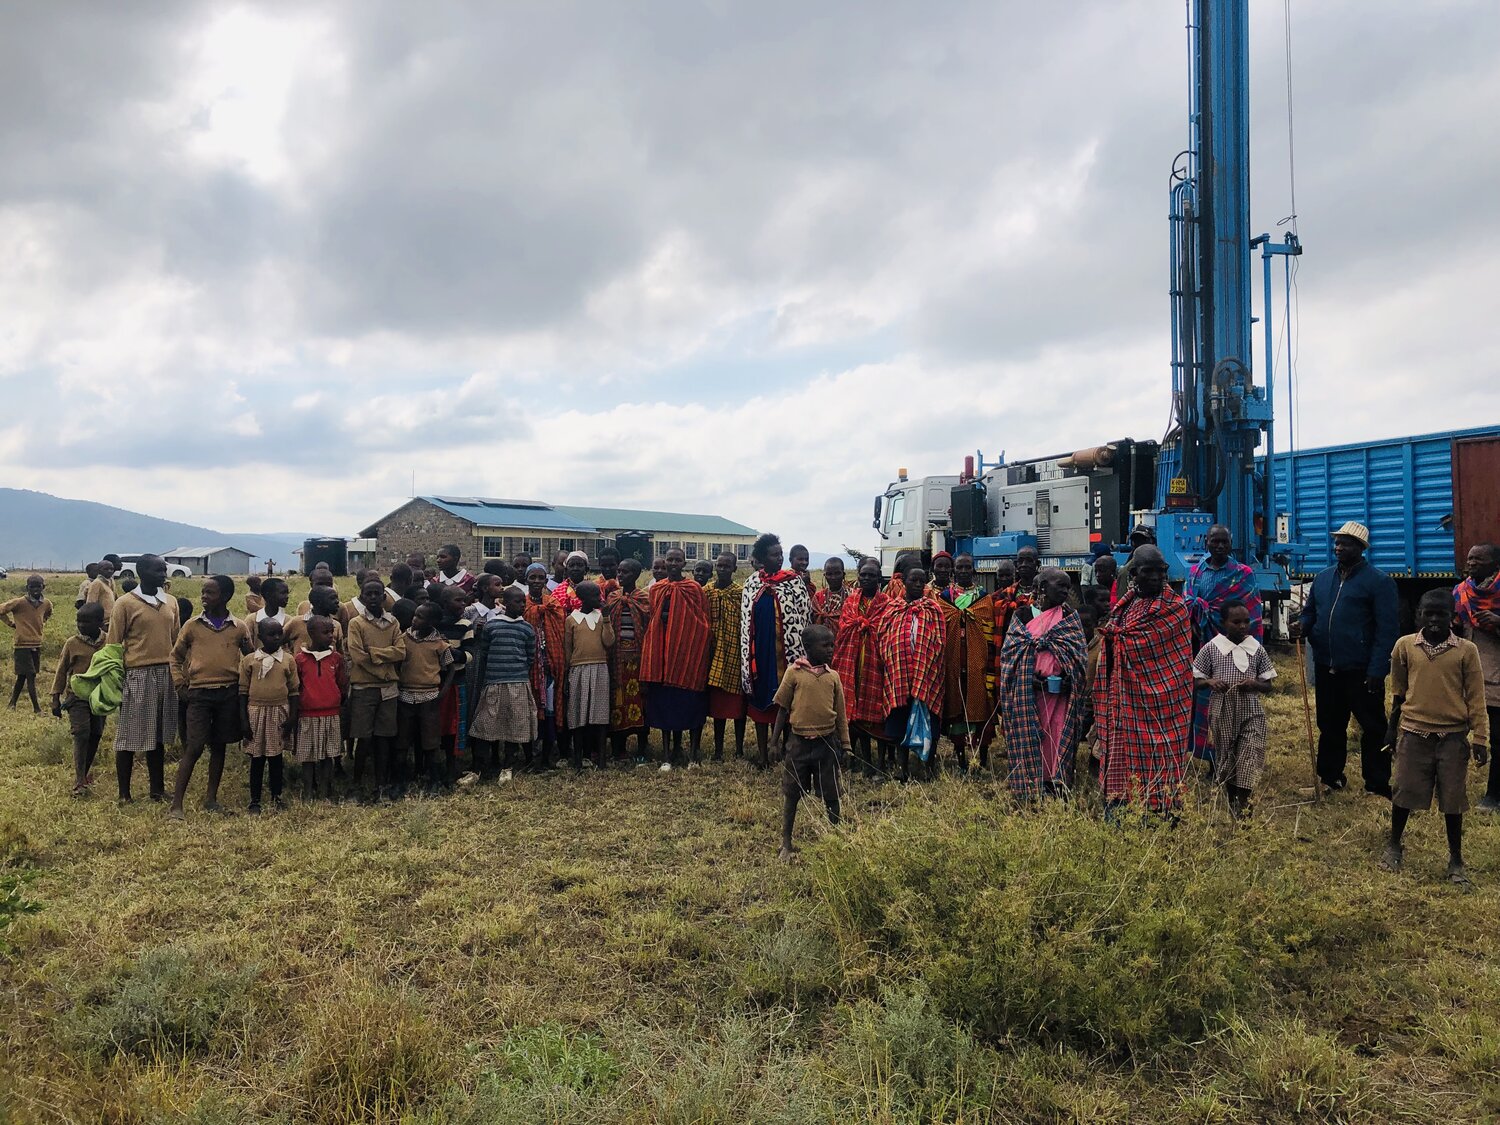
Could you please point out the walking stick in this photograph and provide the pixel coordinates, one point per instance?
(1312, 747)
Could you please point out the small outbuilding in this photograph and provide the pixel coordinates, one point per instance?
(211, 560)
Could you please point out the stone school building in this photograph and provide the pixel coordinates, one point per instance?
(490, 528)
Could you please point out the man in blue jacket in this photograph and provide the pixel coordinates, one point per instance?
(1350, 620)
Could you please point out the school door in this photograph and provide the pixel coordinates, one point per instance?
(1476, 501)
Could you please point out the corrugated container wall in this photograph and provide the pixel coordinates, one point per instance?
(1402, 489)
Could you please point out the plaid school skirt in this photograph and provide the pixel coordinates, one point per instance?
(148, 710)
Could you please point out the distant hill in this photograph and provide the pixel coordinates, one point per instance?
(38, 530)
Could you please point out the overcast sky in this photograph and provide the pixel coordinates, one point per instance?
(260, 264)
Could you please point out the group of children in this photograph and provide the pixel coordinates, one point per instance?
(518, 666)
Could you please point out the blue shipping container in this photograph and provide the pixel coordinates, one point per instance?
(1401, 489)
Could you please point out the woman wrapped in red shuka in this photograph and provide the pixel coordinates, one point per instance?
(674, 659)
(858, 665)
(909, 641)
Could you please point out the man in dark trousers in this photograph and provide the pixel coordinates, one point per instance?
(1350, 620)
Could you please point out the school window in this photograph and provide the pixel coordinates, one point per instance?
(530, 546)
(566, 545)
(665, 545)
(493, 546)
(715, 550)
(690, 551)
(742, 552)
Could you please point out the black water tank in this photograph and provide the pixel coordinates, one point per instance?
(635, 545)
(334, 552)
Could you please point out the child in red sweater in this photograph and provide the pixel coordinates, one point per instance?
(325, 686)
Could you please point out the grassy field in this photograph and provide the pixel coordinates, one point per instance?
(625, 947)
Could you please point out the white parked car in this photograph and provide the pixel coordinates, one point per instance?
(127, 566)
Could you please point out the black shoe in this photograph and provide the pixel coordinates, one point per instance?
(254, 809)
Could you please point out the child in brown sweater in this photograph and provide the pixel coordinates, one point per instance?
(323, 601)
(1437, 690)
(587, 639)
(269, 687)
(206, 673)
(86, 727)
(144, 624)
(376, 649)
(253, 600)
(27, 616)
(426, 672)
(810, 700)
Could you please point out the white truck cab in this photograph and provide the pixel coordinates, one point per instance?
(909, 513)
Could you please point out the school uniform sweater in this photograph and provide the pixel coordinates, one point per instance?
(102, 590)
(83, 591)
(205, 657)
(1444, 693)
(323, 680)
(583, 644)
(295, 633)
(426, 658)
(76, 656)
(376, 649)
(27, 618)
(146, 631)
(815, 703)
(269, 684)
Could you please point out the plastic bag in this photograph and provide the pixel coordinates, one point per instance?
(918, 734)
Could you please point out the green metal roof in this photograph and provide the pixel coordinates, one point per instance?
(631, 519)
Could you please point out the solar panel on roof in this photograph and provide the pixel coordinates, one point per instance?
(456, 499)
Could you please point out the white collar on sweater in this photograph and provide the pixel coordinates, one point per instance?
(262, 615)
(1241, 653)
(269, 660)
(590, 619)
(158, 598)
(364, 611)
(462, 573)
(319, 656)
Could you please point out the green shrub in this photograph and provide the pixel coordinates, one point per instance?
(1058, 926)
(169, 1003)
(795, 964)
(13, 903)
(55, 746)
(546, 1074)
(370, 1053)
(1290, 1073)
(901, 1057)
(742, 1071)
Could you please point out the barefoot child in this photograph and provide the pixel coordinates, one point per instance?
(325, 685)
(27, 616)
(1236, 667)
(503, 708)
(587, 639)
(375, 649)
(810, 700)
(426, 673)
(87, 728)
(206, 673)
(269, 688)
(1438, 713)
